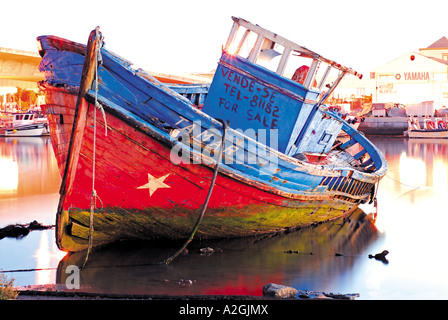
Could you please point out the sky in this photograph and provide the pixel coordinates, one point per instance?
(186, 36)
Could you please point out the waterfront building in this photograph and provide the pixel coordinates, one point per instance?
(415, 78)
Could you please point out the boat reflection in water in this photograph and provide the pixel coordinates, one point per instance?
(304, 259)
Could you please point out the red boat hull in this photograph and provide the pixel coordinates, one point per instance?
(144, 195)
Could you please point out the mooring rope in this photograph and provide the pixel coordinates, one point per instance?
(94, 194)
(404, 184)
(204, 207)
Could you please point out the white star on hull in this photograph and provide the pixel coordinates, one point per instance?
(154, 184)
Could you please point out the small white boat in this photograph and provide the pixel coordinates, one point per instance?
(437, 129)
(27, 125)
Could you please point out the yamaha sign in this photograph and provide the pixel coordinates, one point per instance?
(414, 76)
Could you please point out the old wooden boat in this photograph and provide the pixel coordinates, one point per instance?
(437, 129)
(253, 152)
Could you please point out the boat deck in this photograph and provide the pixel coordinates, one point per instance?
(337, 158)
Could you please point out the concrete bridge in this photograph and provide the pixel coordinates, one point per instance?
(18, 69)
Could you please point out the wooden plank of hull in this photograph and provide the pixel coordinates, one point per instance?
(60, 111)
(126, 156)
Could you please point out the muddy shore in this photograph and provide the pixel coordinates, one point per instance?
(55, 295)
(55, 292)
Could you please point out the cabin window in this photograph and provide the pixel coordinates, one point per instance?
(284, 57)
(325, 139)
(61, 119)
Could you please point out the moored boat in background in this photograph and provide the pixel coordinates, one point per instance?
(437, 129)
(253, 150)
(28, 124)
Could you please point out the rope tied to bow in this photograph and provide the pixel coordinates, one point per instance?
(94, 196)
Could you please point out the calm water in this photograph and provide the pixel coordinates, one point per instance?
(411, 224)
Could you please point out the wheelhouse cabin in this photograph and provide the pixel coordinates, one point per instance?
(275, 87)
